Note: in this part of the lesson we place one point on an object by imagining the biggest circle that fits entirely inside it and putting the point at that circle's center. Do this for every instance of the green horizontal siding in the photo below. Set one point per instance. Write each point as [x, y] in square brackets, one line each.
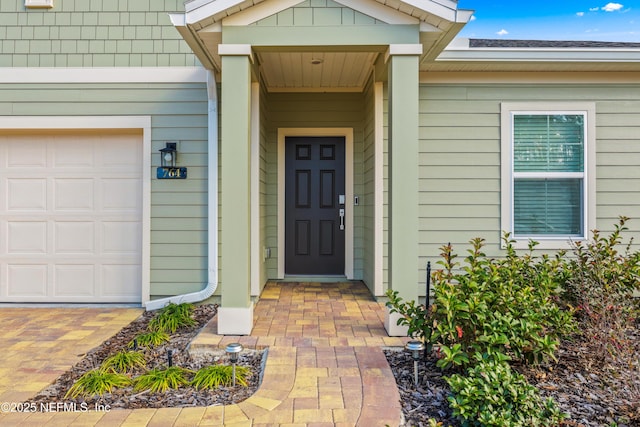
[161, 252]
[178, 207]
[176, 282]
[460, 158]
[90, 33]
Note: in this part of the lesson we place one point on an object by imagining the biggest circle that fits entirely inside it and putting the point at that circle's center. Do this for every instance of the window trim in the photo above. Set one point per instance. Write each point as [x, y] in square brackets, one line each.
[507, 111]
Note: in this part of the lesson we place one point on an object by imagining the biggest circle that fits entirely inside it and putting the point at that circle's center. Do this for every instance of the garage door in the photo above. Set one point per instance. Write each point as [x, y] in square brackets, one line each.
[70, 217]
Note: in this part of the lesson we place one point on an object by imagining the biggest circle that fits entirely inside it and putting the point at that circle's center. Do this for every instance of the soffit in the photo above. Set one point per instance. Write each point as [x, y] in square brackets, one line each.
[316, 71]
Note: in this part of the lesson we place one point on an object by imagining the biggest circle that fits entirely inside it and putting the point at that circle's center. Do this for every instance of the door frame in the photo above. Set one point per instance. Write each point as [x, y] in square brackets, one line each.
[347, 134]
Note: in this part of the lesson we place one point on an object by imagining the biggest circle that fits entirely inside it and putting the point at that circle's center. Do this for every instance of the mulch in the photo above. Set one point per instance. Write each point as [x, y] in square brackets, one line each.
[158, 357]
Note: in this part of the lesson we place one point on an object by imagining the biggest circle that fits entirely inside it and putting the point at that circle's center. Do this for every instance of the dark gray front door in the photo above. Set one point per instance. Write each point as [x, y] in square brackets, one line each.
[314, 205]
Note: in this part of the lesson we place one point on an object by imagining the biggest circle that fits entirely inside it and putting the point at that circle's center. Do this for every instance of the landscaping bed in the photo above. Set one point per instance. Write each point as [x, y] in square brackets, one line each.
[527, 339]
[590, 393]
[157, 357]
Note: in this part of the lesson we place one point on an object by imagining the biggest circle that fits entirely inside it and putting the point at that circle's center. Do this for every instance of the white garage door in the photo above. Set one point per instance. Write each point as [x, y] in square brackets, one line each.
[70, 217]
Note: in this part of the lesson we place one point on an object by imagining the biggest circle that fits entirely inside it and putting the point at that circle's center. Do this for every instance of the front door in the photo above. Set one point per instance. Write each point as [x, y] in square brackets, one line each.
[314, 205]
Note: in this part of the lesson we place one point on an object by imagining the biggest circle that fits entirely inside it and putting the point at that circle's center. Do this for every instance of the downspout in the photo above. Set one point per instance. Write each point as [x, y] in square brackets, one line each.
[212, 177]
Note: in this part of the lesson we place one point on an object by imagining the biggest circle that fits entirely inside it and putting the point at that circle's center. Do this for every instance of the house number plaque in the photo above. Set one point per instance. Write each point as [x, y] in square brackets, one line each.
[172, 173]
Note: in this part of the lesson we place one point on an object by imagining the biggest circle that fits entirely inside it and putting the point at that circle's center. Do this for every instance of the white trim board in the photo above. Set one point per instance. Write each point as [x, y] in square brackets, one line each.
[106, 122]
[526, 77]
[347, 133]
[378, 195]
[256, 258]
[103, 75]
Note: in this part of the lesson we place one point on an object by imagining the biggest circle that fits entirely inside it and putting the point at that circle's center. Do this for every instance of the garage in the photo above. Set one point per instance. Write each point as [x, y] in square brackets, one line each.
[71, 216]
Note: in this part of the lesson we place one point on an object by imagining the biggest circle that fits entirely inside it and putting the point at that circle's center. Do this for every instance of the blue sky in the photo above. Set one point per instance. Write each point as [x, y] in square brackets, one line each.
[596, 20]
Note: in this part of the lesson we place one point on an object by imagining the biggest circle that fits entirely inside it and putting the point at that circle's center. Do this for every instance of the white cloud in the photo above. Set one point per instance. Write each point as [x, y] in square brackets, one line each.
[502, 32]
[612, 7]
[580, 13]
[473, 18]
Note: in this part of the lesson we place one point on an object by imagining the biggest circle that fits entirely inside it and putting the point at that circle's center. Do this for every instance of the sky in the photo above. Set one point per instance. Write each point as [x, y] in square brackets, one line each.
[594, 20]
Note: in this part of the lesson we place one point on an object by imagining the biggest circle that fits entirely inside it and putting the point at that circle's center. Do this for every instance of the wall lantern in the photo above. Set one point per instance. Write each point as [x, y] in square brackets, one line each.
[168, 158]
[168, 155]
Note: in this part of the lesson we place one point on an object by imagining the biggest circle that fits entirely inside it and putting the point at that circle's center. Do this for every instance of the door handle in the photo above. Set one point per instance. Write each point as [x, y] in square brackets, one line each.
[341, 219]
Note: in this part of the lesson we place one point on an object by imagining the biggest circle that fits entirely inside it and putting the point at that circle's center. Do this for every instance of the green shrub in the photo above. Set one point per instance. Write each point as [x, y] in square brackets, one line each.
[418, 318]
[149, 339]
[493, 395]
[485, 313]
[601, 284]
[171, 317]
[215, 376]
[97, 382]
[124, 361]
[507, 306]
[160, 380]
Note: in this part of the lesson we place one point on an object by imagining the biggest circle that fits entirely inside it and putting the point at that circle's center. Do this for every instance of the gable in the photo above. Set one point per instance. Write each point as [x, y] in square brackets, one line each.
[330, 23]
[204, 13]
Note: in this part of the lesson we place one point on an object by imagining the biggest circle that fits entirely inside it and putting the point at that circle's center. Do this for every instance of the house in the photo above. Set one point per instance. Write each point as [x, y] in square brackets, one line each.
[312, 139]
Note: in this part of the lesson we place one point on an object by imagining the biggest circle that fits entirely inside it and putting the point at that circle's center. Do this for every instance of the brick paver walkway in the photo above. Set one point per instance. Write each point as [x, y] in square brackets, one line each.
[325, 367]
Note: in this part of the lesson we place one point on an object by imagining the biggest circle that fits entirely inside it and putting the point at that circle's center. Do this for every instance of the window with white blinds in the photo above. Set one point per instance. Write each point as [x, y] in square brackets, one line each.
[548, 171]
[545, 160]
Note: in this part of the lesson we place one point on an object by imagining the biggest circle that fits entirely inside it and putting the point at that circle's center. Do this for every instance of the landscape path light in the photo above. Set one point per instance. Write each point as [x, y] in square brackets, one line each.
[233, 350]
[415, 347]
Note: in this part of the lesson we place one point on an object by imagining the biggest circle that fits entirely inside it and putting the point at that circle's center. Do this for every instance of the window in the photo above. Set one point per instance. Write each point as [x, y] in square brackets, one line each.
[548, 175]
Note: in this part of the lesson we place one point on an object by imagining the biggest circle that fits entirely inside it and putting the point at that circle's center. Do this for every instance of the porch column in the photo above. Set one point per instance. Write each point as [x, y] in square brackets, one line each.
[403, 63]
[235, 315]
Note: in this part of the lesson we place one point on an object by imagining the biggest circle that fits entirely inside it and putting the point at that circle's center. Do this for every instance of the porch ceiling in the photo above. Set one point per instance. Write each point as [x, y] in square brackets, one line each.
[316, 71]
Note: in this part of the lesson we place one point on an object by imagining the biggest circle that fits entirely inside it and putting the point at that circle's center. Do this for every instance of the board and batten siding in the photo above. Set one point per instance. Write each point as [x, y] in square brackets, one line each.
[89, 33]
[178, 207]
[459, 188]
